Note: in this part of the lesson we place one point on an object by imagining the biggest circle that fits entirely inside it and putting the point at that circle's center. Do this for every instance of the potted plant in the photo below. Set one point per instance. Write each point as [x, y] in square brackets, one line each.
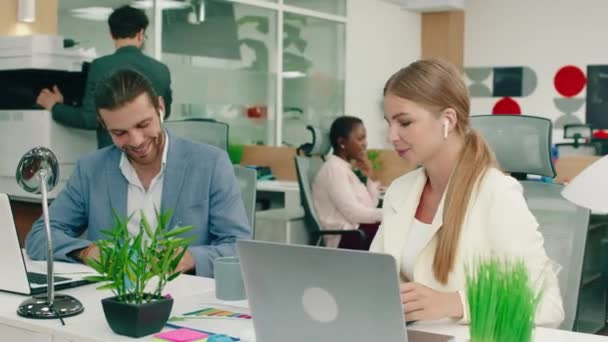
[502, 301]
[127, 264]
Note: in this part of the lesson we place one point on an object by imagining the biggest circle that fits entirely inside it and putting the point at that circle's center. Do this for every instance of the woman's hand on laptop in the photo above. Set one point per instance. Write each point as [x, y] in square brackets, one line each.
[422, 303]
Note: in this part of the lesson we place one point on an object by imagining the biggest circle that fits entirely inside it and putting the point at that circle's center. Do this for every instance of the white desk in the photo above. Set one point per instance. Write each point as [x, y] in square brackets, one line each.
[97, 330]
[276, 185]
[284, 222]
[290, 189]
[190, 293]
[461, 332]
[16, 328]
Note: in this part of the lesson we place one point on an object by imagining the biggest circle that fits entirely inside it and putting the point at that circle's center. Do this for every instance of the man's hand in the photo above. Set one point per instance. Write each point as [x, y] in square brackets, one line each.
[187, 263]
[49, 97]
[89, 252]
[423, 303]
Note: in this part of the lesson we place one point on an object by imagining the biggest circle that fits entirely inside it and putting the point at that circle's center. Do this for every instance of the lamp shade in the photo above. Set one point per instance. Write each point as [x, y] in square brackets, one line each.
[590, 188]
[26, 11]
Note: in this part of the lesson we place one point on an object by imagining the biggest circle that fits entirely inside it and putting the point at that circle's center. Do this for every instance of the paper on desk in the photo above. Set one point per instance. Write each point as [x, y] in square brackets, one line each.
[59, 267]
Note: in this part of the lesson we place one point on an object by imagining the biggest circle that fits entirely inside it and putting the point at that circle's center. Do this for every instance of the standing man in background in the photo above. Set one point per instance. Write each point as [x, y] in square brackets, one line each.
[128, 29]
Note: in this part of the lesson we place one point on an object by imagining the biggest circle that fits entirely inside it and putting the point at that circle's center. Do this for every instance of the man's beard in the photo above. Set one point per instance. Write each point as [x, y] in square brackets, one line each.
[157, 142]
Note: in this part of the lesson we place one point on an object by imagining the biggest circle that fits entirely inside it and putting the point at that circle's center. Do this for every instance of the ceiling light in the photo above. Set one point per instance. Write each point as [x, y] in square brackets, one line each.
[293, 74]
[92, 13]
[201, 12]
[26, 11]
[164, 4]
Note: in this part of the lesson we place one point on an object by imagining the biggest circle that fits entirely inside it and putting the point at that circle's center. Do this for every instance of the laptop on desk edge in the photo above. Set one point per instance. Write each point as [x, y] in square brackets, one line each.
[303, 293]
[13, 270]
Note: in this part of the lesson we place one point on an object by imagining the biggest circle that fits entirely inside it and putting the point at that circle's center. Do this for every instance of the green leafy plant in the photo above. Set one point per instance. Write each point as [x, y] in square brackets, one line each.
[235, 152]
[373, 157]
[502, 302]
[128, 263]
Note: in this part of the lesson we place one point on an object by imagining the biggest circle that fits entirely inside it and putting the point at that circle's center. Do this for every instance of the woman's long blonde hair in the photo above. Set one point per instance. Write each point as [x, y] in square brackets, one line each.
[437, 85]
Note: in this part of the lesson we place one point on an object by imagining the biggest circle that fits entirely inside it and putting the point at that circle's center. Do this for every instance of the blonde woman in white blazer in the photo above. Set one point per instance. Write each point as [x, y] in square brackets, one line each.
[458, 206]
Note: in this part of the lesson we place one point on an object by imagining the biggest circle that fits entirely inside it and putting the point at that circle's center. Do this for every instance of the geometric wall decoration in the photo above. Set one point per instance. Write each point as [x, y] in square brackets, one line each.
[568, 81]
[529, 81]
[568, 106]
[477, 76]
[596, 113]
[506, 105]
[516, 81]
[507, 82]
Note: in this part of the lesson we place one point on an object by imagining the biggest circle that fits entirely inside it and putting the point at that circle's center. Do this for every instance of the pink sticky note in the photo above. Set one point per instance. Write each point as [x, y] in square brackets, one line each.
[181, 335]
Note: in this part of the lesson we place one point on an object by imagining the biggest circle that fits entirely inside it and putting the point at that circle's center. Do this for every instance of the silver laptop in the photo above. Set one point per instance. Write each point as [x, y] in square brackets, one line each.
[302, 294]
[14, 276]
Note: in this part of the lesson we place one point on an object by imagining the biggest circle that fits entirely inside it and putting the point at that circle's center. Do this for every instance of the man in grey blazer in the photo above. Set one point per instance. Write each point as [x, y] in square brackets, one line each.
[145, 168]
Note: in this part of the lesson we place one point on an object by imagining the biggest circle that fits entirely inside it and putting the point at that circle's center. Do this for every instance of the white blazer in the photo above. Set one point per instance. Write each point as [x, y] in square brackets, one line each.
[498, 223]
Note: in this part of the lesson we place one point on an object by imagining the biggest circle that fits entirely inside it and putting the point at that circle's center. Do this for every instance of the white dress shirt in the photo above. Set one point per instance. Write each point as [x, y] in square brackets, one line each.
[341, 200]
[138, 199]
[418, 237]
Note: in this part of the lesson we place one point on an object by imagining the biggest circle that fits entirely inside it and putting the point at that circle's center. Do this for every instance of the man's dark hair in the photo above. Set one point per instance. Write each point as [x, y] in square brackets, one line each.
[341, 128]
[126, 21]
[122, 87]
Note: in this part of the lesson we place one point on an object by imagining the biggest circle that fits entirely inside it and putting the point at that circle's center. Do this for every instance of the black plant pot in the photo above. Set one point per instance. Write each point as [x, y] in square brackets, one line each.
[137, 320]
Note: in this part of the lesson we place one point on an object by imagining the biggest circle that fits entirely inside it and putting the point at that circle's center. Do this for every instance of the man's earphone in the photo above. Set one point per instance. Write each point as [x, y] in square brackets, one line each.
[445, 128]
[161, 113]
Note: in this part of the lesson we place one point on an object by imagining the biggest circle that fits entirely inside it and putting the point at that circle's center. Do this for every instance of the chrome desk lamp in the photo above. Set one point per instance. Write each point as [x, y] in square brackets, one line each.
[38, 173]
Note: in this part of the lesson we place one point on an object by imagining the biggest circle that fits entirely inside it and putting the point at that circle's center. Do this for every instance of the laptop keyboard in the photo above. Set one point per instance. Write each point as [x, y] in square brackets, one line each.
[40, 278]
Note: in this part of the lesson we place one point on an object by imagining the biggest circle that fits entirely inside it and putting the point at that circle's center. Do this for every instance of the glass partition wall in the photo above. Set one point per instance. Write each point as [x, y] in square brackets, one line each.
[313, 75]
[268, 68]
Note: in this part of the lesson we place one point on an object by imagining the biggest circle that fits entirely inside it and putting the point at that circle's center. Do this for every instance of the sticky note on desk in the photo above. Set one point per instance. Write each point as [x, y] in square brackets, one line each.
[182, 335]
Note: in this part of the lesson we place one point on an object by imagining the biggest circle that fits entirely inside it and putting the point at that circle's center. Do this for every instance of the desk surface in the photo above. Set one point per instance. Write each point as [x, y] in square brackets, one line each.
[190, 293]
[182, 287]
[277, 186]
[461, 332]
[97, 330]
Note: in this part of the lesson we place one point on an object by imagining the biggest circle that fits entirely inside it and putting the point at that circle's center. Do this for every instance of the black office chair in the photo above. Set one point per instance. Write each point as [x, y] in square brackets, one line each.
[320, 144]
[307, 169]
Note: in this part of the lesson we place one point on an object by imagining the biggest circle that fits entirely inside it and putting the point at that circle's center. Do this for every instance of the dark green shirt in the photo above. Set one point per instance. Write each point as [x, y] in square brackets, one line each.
[126, 57]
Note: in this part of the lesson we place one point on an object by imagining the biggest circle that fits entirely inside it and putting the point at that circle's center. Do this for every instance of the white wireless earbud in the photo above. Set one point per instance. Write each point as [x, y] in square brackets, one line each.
[161, 113]
[445, 129]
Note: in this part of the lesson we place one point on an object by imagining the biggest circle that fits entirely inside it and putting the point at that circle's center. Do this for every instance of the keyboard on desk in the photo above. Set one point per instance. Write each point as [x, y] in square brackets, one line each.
[40, 278]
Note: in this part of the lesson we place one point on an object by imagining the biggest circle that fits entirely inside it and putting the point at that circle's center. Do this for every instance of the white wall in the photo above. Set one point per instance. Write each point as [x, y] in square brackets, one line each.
[380, 39]
[541, 34]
